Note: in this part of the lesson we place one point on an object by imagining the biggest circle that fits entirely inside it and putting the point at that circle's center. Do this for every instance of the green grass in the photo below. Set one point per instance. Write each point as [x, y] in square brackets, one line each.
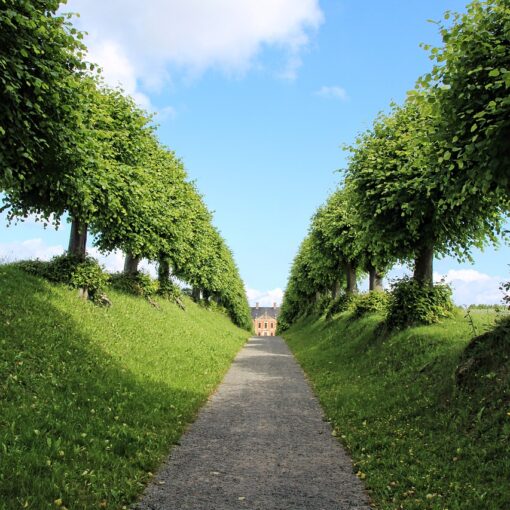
[91, 399]
[420, 436]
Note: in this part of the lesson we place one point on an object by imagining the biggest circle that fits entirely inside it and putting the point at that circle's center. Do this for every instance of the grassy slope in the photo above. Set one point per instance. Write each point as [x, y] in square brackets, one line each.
[416, 437]
[91, 399]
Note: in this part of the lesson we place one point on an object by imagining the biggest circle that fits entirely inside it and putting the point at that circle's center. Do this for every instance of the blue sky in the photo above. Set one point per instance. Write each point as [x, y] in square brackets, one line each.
[257, 98]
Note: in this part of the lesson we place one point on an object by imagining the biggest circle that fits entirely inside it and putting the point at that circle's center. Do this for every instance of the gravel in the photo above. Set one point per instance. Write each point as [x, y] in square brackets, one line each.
[261, 442]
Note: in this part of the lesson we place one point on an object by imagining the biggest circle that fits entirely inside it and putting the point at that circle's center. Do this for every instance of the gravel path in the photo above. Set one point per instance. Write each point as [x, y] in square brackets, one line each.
[259, 443]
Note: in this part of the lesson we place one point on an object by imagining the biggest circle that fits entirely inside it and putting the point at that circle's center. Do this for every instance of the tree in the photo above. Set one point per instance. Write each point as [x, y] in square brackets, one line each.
[397, 180]
[146, 220]
[470, 83]
[41, 57]
[336, 223]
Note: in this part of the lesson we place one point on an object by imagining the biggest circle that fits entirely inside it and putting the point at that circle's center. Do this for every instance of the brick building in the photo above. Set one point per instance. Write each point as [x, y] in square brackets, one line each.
[265, 319]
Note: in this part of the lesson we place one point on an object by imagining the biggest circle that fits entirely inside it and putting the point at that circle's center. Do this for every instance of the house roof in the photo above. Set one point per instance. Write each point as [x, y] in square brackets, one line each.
[262, 311]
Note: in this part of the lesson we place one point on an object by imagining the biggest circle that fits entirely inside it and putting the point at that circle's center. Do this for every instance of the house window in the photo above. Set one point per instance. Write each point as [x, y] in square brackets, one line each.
[265, 325]
[272, 325]
[260, 325]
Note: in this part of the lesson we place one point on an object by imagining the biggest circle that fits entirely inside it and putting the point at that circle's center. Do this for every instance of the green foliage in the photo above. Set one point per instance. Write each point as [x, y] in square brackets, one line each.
[89, 275]
[170, 291]
[417, 438]
[91, 399]
[505, 287]
[70, 270]
[322, 305]
[471, 82]
[482, 306]
[411, 303]
[138, 284]
[368, 303]
[339, 304]
[402, 192]
[40, 58]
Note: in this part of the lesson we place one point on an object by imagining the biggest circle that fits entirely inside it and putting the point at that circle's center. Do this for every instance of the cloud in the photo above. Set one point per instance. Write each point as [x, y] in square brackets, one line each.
[472, 287]
[113, 262]
[465, 275]
[117, 70]
[333, 92]
[141, 44]
[29, 249]
[36, 249]
[468, 285]
[264, 298]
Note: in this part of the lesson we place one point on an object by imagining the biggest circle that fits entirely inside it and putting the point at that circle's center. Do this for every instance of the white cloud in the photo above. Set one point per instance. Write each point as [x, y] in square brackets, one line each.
[113, 262]
[264, 298]
[117, 70]
[464, 275]
[139, 43]
[37, 249]
[29, 249]
[472, 287]
[334, 92]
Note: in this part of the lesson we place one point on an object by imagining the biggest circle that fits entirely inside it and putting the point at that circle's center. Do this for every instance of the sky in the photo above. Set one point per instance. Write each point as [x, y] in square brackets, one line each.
[257, 97]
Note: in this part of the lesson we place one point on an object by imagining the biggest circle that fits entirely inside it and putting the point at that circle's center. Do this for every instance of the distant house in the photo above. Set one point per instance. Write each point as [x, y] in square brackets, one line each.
[265, 319]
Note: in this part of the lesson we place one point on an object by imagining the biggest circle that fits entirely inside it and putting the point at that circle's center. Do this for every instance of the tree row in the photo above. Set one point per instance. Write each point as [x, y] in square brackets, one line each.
[71, 145]
[430, 177]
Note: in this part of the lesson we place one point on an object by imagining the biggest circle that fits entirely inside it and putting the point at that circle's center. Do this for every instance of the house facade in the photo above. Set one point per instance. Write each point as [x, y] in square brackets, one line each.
[265, 319]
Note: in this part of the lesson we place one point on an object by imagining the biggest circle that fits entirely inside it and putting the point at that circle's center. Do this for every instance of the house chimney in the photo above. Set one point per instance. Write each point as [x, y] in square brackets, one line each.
[257, 306]
[274, 306]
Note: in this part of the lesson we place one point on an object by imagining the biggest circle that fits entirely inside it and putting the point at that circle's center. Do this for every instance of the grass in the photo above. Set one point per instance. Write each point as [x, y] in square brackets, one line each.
[91, 399]
[425, 418]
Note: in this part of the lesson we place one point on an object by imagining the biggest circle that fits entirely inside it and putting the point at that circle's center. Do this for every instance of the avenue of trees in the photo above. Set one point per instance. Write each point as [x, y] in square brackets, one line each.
[71, 145]
[431, 177]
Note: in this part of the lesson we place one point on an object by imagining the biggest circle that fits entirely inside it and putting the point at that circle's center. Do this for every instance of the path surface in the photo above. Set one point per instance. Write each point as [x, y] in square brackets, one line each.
[259, 443]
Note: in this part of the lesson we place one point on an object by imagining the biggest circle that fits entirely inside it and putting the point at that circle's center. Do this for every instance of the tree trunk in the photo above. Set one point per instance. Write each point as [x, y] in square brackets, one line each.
[163, 272]
[78, 239]
[350, 273]
[375, 279]
[423, 265]
[83, 293]
[335, 289]
[207, 295]
[131, 264]
[195, 294]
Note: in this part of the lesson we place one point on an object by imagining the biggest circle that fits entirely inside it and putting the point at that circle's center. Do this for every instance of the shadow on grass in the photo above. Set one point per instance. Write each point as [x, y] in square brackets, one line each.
[75, 424]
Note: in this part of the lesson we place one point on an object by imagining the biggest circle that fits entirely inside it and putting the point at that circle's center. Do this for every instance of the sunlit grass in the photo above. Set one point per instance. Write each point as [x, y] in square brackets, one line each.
[91, 399]
[418, 439]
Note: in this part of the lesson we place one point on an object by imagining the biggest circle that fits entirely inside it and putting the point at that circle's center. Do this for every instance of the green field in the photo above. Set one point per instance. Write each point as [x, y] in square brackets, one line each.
[91, 399]
[420, 436]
